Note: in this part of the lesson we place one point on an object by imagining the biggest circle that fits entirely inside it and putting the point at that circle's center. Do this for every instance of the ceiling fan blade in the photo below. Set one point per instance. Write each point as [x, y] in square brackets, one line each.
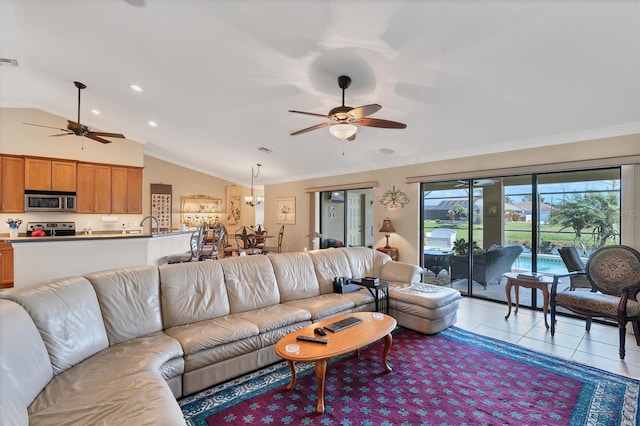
[310, 113]
[308, 129]
[376, 122]
[352, 138]
[364, 110]
[48, 127]
[74, 126]
[97, 138]
[108, 135]
[61, 134]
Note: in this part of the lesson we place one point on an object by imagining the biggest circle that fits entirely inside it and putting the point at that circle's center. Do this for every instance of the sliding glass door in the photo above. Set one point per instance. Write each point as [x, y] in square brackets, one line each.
[537, 214]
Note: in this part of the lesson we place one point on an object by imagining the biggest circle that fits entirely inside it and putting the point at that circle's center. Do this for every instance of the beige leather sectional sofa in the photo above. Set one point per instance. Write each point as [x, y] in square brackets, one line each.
[118, 347]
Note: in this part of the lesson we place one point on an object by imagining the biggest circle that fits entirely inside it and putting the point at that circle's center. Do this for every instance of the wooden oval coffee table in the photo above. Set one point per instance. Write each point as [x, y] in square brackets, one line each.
[348, 340]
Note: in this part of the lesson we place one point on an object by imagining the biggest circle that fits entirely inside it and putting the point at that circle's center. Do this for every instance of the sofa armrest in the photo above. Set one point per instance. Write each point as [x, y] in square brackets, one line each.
[401, 272]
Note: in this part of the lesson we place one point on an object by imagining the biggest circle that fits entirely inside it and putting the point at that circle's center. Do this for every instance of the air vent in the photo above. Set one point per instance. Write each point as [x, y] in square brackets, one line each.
[8, 62]
[263, 149]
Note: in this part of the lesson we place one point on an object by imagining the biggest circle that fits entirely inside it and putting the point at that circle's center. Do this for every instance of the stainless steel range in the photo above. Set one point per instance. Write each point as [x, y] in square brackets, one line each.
[52, 229]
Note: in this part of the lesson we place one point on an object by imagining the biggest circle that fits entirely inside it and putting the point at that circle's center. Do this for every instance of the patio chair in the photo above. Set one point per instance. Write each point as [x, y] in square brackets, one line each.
[487, 267]
[614, 272]
[573, 263]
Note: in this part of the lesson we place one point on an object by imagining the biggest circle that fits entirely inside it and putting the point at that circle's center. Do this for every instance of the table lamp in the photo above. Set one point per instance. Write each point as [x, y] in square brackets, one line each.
[388, 228]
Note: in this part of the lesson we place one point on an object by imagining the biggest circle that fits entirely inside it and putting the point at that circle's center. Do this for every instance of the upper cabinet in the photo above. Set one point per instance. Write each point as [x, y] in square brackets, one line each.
[126, 190]
[93, 188]
[49, 175]
[11, 184]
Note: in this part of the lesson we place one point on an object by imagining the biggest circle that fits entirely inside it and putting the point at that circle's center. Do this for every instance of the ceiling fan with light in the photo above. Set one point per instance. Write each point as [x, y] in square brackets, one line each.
[345, 118]
[75, 128]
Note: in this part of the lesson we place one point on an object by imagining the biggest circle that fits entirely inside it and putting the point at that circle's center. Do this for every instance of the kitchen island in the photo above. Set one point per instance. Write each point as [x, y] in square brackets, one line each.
[38, 259]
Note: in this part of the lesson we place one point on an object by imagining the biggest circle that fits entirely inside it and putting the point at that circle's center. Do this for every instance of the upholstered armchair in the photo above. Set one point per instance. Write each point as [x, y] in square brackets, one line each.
[614, 274]
[487, 267]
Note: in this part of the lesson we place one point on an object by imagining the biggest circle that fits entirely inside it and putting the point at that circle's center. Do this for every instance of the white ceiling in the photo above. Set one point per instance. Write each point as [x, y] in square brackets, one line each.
[219, 76]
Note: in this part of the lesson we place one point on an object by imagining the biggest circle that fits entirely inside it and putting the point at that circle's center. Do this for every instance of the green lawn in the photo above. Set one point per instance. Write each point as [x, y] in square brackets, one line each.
[515, 233]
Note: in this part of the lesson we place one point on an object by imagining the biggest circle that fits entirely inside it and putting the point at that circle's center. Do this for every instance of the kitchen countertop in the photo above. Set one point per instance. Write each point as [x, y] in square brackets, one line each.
[22, 238]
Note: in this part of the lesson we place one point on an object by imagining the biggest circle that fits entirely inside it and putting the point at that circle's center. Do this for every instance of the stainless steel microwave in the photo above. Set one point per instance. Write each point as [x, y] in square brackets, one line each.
[50, 201]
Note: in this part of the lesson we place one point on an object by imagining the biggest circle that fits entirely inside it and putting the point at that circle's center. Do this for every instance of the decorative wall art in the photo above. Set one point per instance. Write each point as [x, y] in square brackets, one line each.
[234, 202]
[286, 210]
[161, 204]
[198, 209]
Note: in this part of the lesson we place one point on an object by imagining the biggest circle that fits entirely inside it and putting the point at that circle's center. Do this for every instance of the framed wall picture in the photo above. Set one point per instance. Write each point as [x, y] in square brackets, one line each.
[161, 204]
[286, 210]
[199, 209]
[492, 209]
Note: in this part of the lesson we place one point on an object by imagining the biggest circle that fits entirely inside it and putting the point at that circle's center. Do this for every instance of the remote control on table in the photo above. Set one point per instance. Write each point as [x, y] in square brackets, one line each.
[312, 339]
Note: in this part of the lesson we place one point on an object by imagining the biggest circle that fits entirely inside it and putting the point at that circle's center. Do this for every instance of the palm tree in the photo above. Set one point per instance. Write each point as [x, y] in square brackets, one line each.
[589, 210]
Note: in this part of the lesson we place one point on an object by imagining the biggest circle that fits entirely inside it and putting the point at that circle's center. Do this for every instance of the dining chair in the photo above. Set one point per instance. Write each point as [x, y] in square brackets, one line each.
[614, 274]
[196, 245]
[214, 249]
[245, 241]
[277, 248]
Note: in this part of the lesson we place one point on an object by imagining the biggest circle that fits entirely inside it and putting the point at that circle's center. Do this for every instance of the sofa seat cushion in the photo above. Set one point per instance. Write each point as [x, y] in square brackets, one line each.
[427, 295]
[138, 399]
[276, 316]
[148, 353]
[208, 334]
[325, 305]
[360, 298]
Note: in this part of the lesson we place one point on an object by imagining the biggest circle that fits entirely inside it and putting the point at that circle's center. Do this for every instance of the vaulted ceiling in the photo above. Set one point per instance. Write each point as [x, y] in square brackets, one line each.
[219, 77]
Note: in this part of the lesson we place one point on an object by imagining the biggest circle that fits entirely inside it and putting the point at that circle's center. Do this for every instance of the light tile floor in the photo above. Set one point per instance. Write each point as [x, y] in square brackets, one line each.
[597, 348]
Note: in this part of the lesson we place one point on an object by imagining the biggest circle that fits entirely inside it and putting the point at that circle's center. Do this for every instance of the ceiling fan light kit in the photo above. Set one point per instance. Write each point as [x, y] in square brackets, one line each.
[343, 131]
[344, 119]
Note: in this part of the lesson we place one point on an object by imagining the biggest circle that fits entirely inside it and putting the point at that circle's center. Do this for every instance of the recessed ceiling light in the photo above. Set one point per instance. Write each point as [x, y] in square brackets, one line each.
[386, 151]
[152, 123]
[135, 88]
[96, 112]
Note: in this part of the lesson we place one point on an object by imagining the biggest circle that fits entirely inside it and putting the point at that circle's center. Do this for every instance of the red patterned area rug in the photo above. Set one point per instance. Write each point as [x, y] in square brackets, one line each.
[452, 378]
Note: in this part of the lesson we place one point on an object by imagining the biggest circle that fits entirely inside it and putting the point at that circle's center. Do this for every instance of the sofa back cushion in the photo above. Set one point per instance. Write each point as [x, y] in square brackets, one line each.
[192, 292]
[67, 314]
[329, 264]
[251, 283]
[295, 276]
[365, 262]
[25, 368]
[129, 300]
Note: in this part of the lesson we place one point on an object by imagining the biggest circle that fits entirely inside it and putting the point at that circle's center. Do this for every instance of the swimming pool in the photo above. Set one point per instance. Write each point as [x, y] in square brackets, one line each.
[548, 263]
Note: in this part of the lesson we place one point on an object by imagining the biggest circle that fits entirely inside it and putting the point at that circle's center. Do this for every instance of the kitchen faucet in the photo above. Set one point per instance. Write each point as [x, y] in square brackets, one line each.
[157, 223]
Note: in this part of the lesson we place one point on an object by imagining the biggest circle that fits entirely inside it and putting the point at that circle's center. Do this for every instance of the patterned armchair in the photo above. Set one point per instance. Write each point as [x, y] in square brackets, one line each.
[614, 274]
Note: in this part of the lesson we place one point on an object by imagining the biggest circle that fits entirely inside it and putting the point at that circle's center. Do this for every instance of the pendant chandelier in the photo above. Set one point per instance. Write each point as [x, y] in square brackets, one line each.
[253, 200]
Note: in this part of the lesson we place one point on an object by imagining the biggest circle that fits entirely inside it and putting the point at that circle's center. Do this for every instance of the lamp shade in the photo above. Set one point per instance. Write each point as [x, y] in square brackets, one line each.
[314, 234]
[343, 131]
[387, 226]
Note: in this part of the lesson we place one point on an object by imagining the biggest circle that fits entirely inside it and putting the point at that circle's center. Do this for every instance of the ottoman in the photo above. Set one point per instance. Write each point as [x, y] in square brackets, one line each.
[426, 308]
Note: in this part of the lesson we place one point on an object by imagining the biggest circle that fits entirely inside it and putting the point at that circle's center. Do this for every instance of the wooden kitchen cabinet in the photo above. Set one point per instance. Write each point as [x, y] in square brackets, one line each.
[126, 190]
[43, 174]
[12, 184]
[6, 265]
[93, 188]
